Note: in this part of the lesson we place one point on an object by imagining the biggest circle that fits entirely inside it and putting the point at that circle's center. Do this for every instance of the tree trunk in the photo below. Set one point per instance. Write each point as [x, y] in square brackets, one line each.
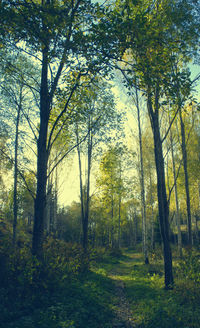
[15, 202]
[47, 208]
[42, 160]
[112, 223]
[178, 221]
[161, 189]
[81, 182]
[85, 195]
[143, 202]
[119, 223]
[184, 154]
[54, 202]
[135, 222]
[152, 211]
[87, 201]
[196, 229]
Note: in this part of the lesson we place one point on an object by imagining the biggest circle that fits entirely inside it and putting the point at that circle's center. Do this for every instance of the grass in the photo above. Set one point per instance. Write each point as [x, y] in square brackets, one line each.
[88, 300]
[79, 303]
[152, 306]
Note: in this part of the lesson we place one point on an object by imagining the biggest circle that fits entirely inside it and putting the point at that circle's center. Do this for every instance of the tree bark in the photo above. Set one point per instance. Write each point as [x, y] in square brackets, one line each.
[161, 188]
[15, 201]
[112, 223]
[42, 160]
[119, 222]
[55, 202]
[143, 202]
[184, 154]
[135, 222]
[87, 201]
[80, 180]
[85, 194]
[152, 211]
[176, 199]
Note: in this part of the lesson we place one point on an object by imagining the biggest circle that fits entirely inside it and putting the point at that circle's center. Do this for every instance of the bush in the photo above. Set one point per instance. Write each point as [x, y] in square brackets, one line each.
[115, 252]
[62, 260]
[21, 272]
[189, 267]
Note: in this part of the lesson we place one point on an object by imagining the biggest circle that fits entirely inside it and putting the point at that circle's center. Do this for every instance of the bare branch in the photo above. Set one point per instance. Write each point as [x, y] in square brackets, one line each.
[170, 125]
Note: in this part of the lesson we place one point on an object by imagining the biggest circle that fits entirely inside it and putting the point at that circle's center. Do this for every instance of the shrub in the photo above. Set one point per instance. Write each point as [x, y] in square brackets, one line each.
[189, 267]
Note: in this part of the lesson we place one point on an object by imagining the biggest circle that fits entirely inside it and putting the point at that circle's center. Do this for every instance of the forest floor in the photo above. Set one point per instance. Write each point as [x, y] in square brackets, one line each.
[117, 292]
[141, 300]
[123, 314]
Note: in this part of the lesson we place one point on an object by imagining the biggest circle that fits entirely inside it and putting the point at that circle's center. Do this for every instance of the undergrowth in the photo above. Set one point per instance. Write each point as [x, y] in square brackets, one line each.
[153, 306]
[58, 293]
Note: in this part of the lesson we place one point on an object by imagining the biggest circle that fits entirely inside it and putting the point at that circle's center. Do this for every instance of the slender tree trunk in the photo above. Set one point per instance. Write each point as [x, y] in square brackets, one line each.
[119, 205]
[80, 180]
[85, 196]
[87, 201]
[119, 223]
[112, 223]
[161, 189]
[130, 233]
[42, 160]
[152, 211]
[55, 202]
[15, 201]
[198, 216]
[196, 229]
[47, 207]
[143, 202]
[178, 220]
[51, 216]
[135, 219]
[184, 154]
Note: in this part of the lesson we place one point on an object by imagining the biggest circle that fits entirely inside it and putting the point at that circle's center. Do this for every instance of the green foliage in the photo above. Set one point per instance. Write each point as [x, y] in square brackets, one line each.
[151, 305]
[189, 267]
[62, 259]
[53, 294]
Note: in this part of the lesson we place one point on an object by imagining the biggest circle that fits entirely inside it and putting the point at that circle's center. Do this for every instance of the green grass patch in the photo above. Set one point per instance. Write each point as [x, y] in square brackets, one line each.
[53, 294]
[84, 302]
[62, 296]
[154, 307]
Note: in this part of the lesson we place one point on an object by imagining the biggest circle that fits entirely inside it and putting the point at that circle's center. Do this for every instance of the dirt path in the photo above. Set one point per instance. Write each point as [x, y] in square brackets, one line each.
[123, 314]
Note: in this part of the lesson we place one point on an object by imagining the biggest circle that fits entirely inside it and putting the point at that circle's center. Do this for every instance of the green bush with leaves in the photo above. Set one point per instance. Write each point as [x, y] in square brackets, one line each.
[189, 267]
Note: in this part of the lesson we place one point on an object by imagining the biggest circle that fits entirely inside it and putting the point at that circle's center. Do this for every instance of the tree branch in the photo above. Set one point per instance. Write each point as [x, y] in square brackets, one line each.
[20, 173]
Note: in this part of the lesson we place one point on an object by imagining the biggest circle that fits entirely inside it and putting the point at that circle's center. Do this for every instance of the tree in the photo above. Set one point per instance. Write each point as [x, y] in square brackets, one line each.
[150, 180]
[96, 121]
[141, 172]
[184, 154]
[17, 73]
[57, 34]
[112, 183]
[4, 168]
[176, 196]
[153, 43]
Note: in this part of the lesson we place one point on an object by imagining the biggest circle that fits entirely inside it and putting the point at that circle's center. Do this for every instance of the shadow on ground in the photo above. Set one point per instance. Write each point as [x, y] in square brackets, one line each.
[84, 303]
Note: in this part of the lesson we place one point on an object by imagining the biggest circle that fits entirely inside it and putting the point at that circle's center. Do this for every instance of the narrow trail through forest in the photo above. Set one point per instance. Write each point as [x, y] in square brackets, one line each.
[119, 291]
[123, 314]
